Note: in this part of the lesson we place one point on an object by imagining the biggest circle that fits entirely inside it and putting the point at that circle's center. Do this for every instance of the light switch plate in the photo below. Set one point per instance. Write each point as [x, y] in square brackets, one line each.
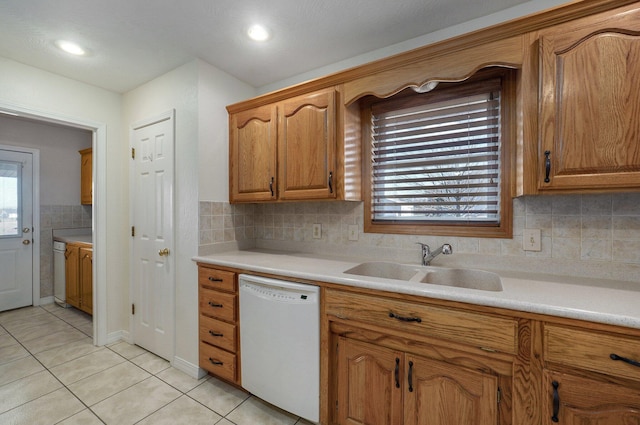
[531, 240]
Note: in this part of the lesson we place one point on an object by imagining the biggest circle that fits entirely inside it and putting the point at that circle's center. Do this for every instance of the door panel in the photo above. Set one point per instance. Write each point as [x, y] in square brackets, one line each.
[16, 229]
[153, 275]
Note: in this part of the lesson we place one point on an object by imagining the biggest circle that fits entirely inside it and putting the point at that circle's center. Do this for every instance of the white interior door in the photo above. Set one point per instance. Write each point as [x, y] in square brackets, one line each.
[153, 262]
[16, 229]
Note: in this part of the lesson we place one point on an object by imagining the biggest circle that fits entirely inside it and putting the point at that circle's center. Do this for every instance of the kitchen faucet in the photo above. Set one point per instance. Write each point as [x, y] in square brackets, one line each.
[428, 255]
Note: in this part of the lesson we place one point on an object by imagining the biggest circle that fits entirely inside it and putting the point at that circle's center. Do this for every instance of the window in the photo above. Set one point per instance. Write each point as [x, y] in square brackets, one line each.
[438, 162]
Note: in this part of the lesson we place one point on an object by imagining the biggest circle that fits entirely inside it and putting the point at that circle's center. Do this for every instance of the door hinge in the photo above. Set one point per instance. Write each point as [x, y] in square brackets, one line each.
[133, 231]
[133, 309]
[499, 394]
[133, 153]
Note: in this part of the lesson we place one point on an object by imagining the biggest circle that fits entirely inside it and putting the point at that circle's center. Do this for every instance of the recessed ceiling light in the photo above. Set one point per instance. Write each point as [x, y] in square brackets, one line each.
[71, 47]
[258, 33]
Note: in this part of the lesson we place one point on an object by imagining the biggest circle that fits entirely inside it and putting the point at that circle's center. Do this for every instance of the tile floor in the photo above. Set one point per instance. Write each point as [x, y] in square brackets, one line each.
[51, 373]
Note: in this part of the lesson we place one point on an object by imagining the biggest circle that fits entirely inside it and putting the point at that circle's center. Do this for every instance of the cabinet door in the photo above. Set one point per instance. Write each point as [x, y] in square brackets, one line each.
[71, 265]
[86, 280]
[252, 155]
[369, 380]
[86, 177]
[307, 147]
[438, 393]
[590, 105]
[571, 400]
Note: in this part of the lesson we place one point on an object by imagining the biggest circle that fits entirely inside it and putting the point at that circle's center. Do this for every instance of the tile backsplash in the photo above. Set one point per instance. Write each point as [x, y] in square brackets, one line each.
[583, 235]
[54, 217]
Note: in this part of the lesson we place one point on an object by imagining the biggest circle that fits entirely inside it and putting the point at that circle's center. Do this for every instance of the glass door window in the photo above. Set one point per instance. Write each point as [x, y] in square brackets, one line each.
[10, 202]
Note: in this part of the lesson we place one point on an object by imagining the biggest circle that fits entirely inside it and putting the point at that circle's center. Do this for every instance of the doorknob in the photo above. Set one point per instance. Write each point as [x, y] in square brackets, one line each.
[163, 252]
[26, 242]
[26, 230]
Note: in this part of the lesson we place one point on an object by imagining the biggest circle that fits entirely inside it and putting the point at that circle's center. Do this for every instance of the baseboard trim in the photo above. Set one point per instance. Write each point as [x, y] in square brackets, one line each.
[118, 336]
[187, 367]
[46, 300]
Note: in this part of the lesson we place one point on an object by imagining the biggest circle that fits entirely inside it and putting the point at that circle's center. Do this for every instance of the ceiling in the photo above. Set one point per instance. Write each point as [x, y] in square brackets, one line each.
[134, 41]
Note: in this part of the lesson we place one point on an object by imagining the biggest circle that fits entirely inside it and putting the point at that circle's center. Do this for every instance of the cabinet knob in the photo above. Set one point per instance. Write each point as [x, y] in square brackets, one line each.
[163, 252]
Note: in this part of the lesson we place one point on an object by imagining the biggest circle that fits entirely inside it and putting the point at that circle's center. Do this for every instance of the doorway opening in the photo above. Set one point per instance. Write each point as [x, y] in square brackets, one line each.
[91, 218]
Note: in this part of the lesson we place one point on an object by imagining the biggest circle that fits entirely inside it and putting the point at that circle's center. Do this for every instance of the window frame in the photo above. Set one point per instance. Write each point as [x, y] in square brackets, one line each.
[507, 146]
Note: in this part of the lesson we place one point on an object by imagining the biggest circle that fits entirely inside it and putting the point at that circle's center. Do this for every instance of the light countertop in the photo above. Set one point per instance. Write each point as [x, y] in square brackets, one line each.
[604, 301]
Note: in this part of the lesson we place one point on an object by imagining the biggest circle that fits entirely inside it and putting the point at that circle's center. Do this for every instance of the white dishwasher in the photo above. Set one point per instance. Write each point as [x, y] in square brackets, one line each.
[280, 343]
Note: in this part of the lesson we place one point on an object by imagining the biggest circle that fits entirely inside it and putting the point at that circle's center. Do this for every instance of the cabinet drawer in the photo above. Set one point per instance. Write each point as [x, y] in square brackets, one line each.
[476, 329]
[218, 333]
[591, 350]
[217, 279]
[217, 361]
[218, 304]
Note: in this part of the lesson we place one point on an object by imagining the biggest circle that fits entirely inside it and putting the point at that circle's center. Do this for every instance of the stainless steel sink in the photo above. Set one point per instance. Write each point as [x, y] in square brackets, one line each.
[456, 277]
[464, 278]
[385, 270]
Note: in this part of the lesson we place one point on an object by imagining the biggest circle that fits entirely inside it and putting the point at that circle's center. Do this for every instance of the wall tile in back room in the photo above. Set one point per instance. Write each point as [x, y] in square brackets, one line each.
[582, 235]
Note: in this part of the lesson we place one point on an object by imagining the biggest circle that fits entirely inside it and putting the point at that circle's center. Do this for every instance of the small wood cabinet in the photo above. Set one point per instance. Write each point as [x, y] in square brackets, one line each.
[86, 176]
[294, 149]
[589, 113]
[590, 378]
[79, 276]
[218, 323]
[397, 362]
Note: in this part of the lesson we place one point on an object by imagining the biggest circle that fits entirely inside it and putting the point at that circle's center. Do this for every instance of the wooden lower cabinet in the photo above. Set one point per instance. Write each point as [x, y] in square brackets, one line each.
[79, 276]
[381, 386]
[437, 393]
[368, 382]
[218, 322]
[575, 400]
[403, 363]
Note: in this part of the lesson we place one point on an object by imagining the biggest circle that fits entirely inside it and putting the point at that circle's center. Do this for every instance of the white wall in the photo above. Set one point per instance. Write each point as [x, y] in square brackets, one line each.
[520, 10]
[198, 92]
[40, 92]
[217, 90]
[59, 157]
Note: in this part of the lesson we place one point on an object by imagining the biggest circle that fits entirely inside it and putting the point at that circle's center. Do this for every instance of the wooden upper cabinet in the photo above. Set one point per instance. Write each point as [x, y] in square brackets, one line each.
[590, 104]
[307, 147]
[303, 148]
[86, 176]
[252, 155]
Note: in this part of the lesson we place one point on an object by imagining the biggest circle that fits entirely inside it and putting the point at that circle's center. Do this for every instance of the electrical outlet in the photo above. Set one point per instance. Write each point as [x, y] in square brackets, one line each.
[353, 232]
[531, 240]
[317, 231]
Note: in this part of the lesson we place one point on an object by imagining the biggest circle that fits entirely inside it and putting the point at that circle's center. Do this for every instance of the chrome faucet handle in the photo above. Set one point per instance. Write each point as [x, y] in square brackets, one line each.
[447, 249]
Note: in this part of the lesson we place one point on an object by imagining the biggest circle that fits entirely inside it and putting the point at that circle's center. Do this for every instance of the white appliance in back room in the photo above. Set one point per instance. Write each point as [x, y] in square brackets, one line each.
[60, 239]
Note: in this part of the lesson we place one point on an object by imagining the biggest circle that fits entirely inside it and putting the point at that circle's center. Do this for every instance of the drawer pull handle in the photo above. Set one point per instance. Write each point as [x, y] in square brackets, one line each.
[410, 377]
[547, 166]
[213, 333]
[624, 359]
[212, 304]
[214, 279]
[397, 373]
[556, 402]
[215, 362]
[405, 319]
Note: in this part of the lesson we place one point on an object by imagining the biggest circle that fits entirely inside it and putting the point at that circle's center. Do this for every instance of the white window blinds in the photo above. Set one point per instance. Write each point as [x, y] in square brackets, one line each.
[438, 161]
